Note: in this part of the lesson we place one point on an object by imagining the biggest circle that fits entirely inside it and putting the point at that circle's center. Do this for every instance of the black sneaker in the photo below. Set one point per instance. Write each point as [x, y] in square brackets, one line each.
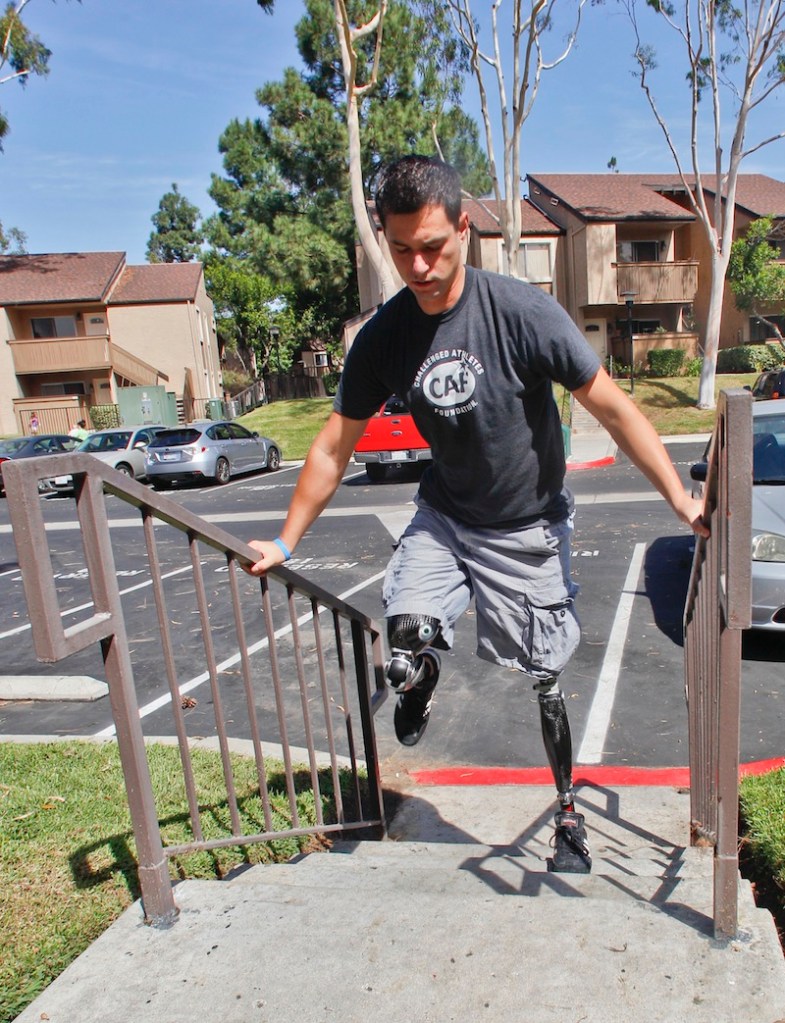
[414, 705]
[570, 847]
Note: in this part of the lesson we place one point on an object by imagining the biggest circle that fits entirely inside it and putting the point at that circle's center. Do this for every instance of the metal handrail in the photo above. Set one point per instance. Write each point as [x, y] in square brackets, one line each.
[353, 644]
[718, 608]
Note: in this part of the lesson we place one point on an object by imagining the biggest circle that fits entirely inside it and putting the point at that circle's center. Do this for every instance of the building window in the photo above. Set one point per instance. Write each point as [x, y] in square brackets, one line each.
[320, 358]
[69, 387]
[760, 331]
[534, 262]
[638, 252]
[638, 326]
[53, 326]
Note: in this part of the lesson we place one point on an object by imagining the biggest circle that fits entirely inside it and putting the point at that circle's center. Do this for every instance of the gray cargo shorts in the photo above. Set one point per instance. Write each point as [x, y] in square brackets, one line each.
[519, 578]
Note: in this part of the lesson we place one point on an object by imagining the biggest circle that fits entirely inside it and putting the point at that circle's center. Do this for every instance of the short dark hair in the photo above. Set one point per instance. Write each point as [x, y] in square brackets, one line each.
[412, 182]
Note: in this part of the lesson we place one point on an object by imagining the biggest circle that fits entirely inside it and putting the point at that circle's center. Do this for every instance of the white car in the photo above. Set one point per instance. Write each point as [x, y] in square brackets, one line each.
[122, 447]
[768, 513]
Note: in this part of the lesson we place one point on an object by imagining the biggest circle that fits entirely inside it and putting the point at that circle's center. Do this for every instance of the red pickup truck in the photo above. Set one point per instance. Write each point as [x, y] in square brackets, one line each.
[391, 438]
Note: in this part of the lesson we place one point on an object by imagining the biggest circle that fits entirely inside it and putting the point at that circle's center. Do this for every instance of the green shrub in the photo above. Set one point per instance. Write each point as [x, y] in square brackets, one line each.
[104, 417]
[748, 359]
[692, 367]
[331, 381]
[666, 362]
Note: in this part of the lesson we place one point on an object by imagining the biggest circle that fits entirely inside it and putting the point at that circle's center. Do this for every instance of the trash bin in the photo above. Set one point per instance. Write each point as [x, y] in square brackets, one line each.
[214, 408]
[567, 437]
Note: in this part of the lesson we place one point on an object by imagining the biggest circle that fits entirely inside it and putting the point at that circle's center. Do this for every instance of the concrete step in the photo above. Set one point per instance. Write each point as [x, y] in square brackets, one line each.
[397, 864]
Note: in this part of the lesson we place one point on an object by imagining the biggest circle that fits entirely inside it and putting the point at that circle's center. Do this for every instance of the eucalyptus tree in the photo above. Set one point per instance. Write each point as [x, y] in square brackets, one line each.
[21, 53]
[516, 76]
[733, 53]
[284, 200]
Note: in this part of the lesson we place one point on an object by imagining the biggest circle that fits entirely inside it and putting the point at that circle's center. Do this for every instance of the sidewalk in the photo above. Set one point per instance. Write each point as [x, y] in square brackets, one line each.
[453, 918]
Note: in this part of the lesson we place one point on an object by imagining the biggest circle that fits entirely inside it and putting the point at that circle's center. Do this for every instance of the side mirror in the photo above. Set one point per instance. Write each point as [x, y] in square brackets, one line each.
[748, 387]
[698, 472]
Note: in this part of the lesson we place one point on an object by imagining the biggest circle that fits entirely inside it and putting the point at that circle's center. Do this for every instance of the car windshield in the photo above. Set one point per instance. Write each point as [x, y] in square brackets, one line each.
[175, 438]
[768, 449]
[10, 447]
[106, 441]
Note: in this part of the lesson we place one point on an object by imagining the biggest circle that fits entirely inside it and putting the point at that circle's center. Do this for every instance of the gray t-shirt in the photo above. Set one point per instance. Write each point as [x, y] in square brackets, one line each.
[478, 382]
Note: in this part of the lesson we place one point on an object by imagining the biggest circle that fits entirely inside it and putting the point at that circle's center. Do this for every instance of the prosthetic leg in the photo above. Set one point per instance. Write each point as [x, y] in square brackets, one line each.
[412, 671]
[571, 850]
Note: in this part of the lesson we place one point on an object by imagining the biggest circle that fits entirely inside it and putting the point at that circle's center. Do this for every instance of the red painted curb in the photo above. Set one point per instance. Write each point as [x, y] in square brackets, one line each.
[678, 777]
[598, 463]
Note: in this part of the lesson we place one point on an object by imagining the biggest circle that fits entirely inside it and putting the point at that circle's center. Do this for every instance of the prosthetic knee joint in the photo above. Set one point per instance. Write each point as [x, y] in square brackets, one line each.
[408, 636]
[556, 737]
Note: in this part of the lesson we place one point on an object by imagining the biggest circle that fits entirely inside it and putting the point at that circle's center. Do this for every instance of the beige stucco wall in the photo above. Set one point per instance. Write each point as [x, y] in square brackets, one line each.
[9, 388]
[172, 338]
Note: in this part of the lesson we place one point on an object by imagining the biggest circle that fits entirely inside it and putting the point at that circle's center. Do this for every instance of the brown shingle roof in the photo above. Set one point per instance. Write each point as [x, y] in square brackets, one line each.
[157, 282]
[641, 196]
[483, 214]
[608, 196]
[58, 277]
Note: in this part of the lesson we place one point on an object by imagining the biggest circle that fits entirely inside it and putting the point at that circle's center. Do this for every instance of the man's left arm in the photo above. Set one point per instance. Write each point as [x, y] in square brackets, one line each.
[638, 439]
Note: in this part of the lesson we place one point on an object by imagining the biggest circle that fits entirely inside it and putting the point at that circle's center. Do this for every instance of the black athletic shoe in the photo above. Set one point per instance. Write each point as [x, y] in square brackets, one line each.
[414, 705]
[570, 848]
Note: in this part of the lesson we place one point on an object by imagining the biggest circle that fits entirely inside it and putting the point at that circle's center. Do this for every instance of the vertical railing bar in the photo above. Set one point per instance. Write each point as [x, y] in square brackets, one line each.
[326, 705]
[212, 671]
[366, 719]
[171, 674]
[347, 713]
[157, 896]
[261, 770]
[306, 712]
[267, 611]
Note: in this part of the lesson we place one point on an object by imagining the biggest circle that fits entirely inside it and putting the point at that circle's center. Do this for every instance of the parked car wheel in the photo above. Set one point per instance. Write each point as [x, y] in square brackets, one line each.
[376, 472]
[126, 470]
[222, 471]
[273, 459]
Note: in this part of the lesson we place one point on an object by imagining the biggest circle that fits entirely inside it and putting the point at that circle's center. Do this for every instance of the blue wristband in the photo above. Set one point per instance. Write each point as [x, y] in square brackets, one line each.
[284, 549]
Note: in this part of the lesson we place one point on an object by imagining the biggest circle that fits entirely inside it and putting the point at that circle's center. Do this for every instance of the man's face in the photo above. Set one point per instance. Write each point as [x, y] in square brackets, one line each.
[426, 248]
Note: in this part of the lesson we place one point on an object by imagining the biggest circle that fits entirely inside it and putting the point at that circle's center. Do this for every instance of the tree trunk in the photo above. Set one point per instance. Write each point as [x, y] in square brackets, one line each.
[706, 397]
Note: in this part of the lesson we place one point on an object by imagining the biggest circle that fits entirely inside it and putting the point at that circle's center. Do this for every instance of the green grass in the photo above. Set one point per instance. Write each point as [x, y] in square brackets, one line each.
[292, 424]
[68, 854]
[762, 805]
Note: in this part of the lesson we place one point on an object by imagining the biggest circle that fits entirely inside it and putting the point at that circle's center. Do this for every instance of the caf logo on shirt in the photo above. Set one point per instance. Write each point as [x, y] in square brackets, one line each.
[448, 381]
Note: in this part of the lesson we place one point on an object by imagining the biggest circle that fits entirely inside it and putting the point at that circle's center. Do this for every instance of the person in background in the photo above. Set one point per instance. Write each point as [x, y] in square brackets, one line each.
[79, 431]
[34, 423]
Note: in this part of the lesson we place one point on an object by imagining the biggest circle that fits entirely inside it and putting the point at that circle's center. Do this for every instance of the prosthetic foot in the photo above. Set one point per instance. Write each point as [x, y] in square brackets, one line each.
[570, 848]
[413, 708]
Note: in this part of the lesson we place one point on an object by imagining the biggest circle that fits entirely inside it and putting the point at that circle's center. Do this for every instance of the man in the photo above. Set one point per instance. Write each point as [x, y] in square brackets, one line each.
[474, 355]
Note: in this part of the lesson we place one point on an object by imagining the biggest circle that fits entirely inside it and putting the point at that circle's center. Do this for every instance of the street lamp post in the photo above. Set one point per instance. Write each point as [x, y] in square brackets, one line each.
[629, 297]
[275, 335]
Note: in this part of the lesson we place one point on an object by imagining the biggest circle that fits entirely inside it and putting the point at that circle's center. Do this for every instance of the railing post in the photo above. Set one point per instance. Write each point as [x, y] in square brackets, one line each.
[718, 608]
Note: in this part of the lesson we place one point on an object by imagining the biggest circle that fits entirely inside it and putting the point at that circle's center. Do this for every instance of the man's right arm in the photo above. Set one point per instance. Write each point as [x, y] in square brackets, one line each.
[321, 476]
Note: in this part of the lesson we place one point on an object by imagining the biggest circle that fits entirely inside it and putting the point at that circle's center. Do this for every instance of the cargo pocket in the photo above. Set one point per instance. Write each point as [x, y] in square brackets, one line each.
[551, 633]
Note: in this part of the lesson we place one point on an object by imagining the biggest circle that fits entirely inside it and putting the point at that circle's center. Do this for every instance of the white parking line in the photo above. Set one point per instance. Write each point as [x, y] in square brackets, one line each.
[83, 607]
[602, 705]
[186, 687]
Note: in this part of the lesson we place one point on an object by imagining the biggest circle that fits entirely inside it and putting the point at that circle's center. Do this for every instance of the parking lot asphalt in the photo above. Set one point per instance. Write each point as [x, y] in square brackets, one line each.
[630, 558]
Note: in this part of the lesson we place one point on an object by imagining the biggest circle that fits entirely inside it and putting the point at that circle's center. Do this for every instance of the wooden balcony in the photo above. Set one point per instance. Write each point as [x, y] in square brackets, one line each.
[658, 282]
[76, 354]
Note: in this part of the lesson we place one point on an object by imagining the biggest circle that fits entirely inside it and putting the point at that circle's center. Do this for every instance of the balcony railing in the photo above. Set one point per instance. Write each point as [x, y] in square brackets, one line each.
[65, 355]
[658, 282]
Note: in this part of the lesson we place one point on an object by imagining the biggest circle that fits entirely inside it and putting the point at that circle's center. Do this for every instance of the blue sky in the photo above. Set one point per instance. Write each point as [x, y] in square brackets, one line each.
[139, 93]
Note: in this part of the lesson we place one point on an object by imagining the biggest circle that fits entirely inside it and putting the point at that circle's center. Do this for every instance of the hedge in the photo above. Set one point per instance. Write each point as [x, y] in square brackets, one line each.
[749, 358]
[666, 362]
